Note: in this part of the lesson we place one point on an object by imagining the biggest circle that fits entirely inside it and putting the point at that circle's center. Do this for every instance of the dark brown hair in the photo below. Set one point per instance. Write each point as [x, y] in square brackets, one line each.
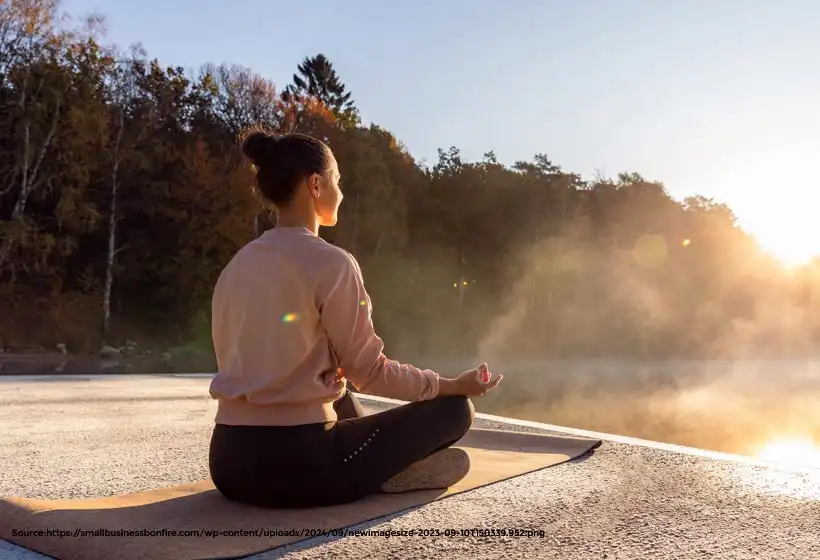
[283, 161]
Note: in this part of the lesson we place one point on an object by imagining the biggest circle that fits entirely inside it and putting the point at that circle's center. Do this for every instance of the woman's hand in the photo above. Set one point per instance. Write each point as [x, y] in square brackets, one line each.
[475, 382]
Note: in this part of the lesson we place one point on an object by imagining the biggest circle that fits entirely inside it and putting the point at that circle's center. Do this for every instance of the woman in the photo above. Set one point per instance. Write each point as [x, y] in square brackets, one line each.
[291, 327]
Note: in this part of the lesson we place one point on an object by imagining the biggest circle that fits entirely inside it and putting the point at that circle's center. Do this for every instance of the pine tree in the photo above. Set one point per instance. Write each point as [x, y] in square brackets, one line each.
[317, 78]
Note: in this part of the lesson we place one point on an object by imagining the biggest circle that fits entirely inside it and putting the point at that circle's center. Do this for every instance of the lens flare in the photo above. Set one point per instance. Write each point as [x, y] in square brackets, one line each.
[290, 317]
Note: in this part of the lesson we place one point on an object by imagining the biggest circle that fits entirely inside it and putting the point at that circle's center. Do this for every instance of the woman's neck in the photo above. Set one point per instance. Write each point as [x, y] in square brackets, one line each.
[293, 219]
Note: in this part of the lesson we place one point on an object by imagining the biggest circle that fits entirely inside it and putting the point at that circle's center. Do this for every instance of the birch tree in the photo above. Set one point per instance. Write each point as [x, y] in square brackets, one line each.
[127, 131]
[35, 86]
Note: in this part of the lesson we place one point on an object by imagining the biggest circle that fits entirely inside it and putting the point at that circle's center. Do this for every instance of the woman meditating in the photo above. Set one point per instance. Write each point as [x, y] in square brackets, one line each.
[291, 328]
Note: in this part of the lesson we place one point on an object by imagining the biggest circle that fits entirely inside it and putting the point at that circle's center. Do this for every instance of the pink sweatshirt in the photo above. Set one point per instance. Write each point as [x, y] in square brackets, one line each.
[289, 311]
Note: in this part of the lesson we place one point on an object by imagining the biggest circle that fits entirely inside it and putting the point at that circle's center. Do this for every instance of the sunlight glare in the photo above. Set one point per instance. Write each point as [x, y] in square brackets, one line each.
[800, 452]
[767, 192]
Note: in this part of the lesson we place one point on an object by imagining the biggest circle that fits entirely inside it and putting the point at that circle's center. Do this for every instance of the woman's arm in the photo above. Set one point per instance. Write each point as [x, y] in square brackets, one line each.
[346, 316]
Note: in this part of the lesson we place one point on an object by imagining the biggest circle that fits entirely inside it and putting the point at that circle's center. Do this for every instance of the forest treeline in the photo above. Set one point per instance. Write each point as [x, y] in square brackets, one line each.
[123, 194]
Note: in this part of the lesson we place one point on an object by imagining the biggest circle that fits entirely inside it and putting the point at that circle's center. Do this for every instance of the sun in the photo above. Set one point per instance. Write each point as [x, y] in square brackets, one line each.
[801, 452]
[769, 194]
[788, 233]
[791, 249]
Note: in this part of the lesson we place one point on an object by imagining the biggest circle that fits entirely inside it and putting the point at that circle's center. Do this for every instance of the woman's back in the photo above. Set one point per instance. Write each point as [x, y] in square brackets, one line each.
[271, 348]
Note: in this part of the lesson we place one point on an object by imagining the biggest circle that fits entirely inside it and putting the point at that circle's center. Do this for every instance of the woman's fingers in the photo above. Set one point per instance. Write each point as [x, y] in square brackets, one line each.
[489, 385]
[478, 381]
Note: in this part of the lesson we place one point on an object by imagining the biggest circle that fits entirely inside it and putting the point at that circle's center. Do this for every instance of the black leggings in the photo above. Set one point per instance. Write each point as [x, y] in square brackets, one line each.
[313, 465]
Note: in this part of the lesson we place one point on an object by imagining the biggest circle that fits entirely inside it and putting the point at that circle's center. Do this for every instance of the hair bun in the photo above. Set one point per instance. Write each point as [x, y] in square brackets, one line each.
[259, 147]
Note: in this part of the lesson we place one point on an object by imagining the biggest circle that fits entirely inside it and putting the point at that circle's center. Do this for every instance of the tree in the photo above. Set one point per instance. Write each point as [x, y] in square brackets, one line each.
[240, 99]
[316, 78]
[128, 126]
[123, 194]
[35, 85]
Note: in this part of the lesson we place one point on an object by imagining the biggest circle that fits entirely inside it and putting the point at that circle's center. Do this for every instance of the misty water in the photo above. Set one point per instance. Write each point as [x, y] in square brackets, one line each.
[729, 406]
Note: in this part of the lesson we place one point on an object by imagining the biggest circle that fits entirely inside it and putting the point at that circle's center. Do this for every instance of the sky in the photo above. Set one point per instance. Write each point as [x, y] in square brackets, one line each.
[718, 98]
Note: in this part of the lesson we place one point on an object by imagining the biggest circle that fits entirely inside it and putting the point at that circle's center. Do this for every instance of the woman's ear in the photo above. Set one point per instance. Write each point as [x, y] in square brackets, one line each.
[314, 184]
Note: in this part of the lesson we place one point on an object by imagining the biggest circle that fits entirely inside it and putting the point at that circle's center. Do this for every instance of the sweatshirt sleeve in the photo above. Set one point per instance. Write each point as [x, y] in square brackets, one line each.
[346, 315]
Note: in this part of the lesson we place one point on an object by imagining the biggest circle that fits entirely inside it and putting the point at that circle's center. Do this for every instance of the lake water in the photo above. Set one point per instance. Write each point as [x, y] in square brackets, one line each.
[730, 406]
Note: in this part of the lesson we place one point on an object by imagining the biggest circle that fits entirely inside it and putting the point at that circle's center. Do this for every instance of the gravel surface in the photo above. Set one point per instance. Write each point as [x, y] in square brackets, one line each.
[105, 436]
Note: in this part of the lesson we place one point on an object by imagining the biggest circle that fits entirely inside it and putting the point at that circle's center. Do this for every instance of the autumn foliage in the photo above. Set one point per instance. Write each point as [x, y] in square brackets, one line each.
[123, 194]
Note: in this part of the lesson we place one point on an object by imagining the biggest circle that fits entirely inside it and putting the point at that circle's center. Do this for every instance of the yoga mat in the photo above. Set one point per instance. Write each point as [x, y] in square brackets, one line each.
[494, 456]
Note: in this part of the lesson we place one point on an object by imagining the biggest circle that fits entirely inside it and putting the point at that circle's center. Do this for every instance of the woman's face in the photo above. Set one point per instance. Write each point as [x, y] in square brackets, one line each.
[330, 196]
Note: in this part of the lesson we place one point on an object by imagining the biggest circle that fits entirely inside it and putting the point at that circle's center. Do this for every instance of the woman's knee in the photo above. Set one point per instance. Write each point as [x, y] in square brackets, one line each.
[458, 412]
